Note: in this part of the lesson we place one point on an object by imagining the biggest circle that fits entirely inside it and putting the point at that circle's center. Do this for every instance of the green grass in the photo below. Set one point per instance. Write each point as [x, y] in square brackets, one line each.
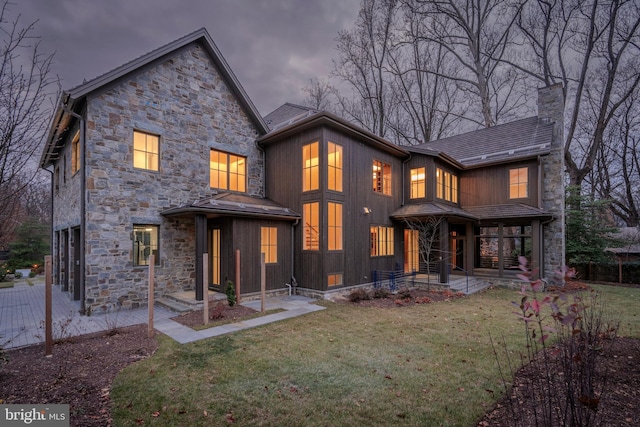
[214, 323]
[429, 364]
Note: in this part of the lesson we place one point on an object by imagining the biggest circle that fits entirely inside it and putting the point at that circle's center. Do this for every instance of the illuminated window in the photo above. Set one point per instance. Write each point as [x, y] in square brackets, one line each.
[145, 244]
[518, 183]
[310, 167]
[334, 226]
[269, 244]
[418, 181]
[411, 250]
[334, 279]
[334, 167]
[145, 151]
[381, 177]
[311, 226]
[446, 186]
[227, 171]
[381, 240]
[75, 153]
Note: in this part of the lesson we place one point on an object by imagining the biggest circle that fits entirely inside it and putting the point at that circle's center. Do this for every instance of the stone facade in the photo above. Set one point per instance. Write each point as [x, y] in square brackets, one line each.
[551, 110]
[185, 100]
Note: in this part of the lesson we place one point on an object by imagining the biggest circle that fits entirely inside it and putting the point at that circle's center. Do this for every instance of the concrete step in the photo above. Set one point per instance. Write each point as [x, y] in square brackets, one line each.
[174, 305]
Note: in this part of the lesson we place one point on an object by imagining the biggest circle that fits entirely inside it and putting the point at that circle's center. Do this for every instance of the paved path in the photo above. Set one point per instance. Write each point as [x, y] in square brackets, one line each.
[22, 317]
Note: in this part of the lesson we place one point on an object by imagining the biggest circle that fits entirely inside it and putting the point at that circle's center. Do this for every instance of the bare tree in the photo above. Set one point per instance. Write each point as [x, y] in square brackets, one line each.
[427, 232]
[319, 94]
[26, 85]
[593, 48]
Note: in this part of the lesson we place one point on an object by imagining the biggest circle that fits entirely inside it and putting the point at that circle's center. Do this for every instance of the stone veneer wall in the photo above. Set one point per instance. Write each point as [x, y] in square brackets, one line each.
[551, 110]
[185, 100]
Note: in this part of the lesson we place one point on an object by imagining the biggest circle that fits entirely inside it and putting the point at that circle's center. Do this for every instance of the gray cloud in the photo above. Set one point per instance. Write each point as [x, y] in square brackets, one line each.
[273, 46]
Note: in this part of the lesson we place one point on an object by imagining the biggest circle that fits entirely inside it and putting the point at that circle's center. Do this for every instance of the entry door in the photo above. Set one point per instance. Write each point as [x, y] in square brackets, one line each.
[76, 264]
[456, 246]
[411, 251]
[214, 257]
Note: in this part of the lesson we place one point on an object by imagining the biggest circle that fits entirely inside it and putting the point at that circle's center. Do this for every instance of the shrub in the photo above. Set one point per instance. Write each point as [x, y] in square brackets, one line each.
[231, 293]
[404, 294]
[217, 312]
[18, 275]
[32, 274]
[359, 295]
[381, 293]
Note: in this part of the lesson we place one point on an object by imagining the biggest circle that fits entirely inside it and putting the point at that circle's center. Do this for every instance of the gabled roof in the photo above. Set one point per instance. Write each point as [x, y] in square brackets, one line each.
[313, 119]
[233, 204]
[521, 139]
[506, 211]
[287, 114]
[73, 99]
[418, 210]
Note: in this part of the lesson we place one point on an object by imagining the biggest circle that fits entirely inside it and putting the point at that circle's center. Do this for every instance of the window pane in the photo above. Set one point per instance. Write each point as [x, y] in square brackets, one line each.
[269, 244]
[334, 280]
[311, 226]
[334, 226]
[439, 184]
[145, 243]
[310, 167]
[145, 151]
[418, 181]
[518, 183]
[334, 167]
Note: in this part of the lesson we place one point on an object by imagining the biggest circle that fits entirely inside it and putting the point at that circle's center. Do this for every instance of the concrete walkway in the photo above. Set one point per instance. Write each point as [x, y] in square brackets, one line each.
[22, 316]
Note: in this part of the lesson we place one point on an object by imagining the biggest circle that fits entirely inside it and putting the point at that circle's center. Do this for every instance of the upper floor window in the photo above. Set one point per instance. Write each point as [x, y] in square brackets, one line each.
[227, 171]
[269, 244]
[381, 177]
[310, 167]
[518, 183]
[75, 153]
[145, 244]
[334, 167]
[446, 185]
[334, 226]
[418, 183]
[146, 149]
[381, 240]
[311, 226]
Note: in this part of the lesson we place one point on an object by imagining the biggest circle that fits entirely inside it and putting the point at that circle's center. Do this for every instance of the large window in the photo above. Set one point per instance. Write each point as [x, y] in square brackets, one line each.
[334, 226]
[334, 167]
[503, 244]
[518, 183]
[310, 167]
[381, 240]
[227, 171]
[145, 243]
[411, 250]
[75, 153]
[418, 183]
[145, 150]
[311, 226]
[381, 177]
[269, 244]
[446, 185]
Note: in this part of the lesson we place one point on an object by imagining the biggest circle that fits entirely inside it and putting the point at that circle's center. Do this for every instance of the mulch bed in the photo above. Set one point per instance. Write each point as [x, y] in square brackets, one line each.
[82, 369]
[218, 313]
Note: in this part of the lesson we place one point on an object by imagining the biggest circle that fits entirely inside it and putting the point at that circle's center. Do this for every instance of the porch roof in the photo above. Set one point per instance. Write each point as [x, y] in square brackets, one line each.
[417, 210]
[508, 211]
[232, 204]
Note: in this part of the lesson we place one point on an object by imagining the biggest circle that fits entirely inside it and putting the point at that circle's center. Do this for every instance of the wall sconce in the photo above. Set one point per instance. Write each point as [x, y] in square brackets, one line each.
[366, 211]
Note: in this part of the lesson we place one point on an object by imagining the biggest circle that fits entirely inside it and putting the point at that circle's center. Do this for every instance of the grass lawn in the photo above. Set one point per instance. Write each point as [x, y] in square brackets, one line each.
[430, 365]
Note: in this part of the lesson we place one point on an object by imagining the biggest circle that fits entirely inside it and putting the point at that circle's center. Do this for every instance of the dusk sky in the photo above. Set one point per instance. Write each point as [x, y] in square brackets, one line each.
[273, 46]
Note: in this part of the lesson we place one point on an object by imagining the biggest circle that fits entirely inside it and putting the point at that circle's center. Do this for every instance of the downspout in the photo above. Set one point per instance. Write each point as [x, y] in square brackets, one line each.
[83, 308]
[293, 257]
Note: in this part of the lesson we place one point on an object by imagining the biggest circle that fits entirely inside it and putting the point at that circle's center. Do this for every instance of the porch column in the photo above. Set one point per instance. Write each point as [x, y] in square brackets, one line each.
[445, 255]
[201, 247]
[536, 247]
[469, 250]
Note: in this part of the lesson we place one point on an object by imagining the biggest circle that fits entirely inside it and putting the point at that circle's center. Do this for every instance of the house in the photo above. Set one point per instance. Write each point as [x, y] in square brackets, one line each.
[167, 156]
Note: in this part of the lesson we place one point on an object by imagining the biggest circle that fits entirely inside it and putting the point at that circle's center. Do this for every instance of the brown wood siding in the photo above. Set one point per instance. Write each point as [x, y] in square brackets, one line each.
[490, 185]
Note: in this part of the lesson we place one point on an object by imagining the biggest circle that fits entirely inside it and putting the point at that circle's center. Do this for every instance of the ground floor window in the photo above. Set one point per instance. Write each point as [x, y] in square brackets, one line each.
[334, 279]
[269, 244]
[381, 240]
[145, 243]
[411, 250]
[503, 245]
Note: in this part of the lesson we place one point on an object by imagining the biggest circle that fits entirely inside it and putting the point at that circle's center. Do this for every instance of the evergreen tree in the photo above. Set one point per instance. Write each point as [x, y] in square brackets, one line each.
[30, 246]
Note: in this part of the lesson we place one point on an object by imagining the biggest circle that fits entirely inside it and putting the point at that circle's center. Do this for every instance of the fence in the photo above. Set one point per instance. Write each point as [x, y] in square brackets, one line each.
[619, 272]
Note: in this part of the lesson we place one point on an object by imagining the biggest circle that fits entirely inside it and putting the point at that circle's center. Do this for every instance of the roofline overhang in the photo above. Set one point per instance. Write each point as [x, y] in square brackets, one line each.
[331, 120]
[188, 211]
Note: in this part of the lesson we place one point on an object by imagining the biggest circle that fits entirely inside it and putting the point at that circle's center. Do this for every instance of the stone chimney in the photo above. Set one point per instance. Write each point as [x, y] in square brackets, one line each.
[551, 111]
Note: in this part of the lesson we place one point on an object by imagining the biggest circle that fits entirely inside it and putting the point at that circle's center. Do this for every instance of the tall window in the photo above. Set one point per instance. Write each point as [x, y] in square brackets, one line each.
[145, 151]
[411, 250]
[381, 240]
[145, 243]
[334, 226]
[381, 177]
[334, 167]
[518, 183]
[227, 171]
[310, 167]
[269, 244]
[75, 153]
[311, 226]
[418, 183]
[446, 185]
